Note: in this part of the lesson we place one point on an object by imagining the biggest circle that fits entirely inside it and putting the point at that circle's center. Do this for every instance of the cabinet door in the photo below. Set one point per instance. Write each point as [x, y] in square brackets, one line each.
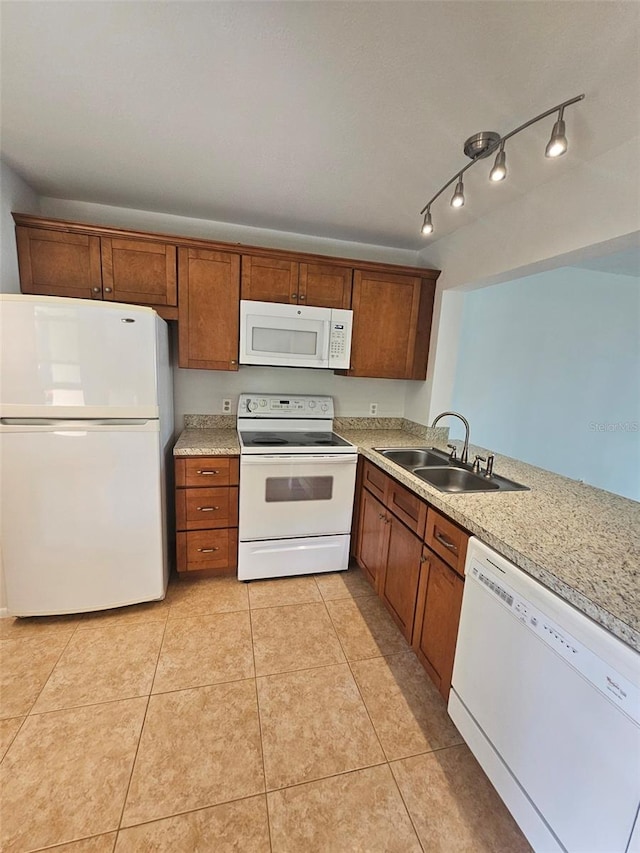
[399, 581]
[437, 620]
[372, 533]
[385, 325]
[269, 280]
[209, 325]
[140, 271]
[55, 263]
[325, 286]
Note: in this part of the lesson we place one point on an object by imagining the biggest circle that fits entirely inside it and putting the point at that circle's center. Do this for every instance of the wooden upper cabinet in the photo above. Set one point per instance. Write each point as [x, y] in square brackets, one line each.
[55, 263]
[269, 280]
[325, 286]
[139, 271]
[209, 309]
[391, 325]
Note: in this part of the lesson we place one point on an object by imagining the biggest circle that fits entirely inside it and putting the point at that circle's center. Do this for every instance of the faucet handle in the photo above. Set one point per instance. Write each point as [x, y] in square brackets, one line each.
[454, 451]
[488, 471]
[476, 464]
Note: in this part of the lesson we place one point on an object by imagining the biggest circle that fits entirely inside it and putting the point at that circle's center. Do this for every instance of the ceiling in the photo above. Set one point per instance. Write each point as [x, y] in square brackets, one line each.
[337, 119]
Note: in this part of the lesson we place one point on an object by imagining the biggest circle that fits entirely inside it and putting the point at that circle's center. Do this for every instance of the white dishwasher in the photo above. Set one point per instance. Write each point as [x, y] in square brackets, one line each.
[549, 703]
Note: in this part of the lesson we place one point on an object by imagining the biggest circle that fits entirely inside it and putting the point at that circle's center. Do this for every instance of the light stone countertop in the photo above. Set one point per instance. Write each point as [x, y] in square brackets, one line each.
[581, 542]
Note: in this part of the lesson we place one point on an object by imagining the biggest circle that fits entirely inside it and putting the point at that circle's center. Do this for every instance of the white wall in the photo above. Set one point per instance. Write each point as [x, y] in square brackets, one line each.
[15, 195]
[557, 385]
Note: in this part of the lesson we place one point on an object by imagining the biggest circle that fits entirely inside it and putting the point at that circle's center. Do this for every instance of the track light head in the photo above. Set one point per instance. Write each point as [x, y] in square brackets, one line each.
[557, 145]
[427, 225]
[499, 171]
[457, 200]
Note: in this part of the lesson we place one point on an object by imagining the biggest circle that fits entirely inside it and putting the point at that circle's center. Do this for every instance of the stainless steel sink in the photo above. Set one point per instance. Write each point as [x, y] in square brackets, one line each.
[433, 466]
[411, 457]
[452, 479]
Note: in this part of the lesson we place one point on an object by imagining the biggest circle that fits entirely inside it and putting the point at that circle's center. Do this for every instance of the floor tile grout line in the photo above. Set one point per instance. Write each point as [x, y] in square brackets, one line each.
[383, 763]
[255, 684]
[59, 844]
[404, 803]
[144, 720]
[62, 651]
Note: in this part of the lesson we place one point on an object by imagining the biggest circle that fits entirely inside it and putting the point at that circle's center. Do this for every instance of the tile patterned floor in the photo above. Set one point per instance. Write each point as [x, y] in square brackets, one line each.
[286, 716]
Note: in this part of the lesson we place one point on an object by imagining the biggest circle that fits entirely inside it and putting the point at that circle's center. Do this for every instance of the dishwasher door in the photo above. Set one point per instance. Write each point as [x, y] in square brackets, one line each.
[548, 702]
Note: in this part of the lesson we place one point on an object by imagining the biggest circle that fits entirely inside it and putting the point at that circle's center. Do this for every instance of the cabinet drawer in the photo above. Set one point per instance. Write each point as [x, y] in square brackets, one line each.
[200, 509]
[207, 471]
[374, 480]
[447, 539]
[407, 506]
[200, 550]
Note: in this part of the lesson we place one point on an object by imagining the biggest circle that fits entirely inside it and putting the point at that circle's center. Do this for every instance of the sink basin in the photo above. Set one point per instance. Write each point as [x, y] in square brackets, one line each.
[411, 457]
[452, 479]
[433, 466]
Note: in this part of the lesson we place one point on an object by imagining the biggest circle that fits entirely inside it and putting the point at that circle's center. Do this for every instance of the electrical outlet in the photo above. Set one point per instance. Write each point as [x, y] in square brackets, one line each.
[373, 408]
[226, 407]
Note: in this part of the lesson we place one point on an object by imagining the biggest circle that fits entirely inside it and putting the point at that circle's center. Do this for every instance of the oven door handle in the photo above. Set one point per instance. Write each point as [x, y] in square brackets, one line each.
[301, 459]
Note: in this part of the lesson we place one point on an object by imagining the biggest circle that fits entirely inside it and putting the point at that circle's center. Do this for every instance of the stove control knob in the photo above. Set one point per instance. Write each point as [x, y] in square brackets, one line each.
[312, 404]
[263, 403]
[248, 405]
[324, 407]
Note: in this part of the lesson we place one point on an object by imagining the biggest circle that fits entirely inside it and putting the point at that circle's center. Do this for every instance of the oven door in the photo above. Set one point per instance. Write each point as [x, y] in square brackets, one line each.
[287, 496]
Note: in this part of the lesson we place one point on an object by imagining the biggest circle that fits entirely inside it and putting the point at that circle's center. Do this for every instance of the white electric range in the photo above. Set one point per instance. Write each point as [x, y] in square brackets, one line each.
[297, 482]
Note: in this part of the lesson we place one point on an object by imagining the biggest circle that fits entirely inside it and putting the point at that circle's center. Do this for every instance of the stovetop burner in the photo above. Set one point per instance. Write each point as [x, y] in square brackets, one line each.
[292, 439]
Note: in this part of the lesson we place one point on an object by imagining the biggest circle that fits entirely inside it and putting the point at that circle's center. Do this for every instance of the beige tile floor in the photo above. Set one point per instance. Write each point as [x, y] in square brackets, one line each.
[286, 716]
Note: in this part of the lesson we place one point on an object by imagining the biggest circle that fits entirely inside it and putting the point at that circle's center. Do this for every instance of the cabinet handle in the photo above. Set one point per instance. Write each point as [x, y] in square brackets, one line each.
[301, 297]
[107, 290]
[444, 541]
[96, 289]
[207, 508]
[208, 550]
[294, 295]
[207, 472]
[423, 559]
[233, 361]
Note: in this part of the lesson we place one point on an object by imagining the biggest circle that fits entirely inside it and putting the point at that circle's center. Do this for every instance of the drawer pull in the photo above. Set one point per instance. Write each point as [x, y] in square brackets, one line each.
[203, 471]
[208, 550]
[207, 508]
[444, 541]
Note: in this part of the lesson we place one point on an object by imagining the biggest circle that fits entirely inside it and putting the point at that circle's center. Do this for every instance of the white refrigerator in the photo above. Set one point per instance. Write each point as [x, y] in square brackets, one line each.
[86, 423]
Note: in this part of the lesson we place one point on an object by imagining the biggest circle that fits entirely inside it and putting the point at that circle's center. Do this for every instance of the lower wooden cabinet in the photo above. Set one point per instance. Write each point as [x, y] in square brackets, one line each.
[437, 618]
[422, 589]
[372, 531]
[207, 513]
[398, 586]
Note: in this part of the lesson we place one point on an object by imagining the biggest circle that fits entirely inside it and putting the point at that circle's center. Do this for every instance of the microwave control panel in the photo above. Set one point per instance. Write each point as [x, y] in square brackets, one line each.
[340, 338]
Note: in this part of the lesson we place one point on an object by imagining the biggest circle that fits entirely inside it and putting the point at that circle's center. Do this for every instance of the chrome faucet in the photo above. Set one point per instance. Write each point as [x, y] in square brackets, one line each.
[465, 450]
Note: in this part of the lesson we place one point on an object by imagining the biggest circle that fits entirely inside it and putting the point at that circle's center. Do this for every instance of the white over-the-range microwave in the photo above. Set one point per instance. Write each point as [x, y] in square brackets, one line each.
[282, 335]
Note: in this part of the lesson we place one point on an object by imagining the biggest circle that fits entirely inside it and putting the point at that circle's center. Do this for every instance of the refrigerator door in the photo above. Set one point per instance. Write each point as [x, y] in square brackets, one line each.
[81, 521]
[76, 358]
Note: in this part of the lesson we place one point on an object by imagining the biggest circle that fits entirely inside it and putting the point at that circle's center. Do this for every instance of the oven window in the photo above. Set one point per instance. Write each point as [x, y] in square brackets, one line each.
[298, 489]
[285, 341]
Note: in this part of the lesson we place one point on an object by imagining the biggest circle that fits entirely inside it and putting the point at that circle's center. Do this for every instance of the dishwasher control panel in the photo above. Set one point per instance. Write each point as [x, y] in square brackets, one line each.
[612, 684]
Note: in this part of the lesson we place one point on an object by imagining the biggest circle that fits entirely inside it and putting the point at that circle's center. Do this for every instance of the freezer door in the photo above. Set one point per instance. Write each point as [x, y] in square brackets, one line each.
[76, 358]
[81, 522]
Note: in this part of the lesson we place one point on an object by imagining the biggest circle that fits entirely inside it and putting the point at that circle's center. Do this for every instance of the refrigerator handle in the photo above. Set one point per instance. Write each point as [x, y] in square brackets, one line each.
[73, 422]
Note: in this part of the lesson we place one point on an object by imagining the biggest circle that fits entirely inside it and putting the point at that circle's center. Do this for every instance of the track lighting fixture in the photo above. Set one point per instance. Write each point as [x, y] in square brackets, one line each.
[483, 144]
